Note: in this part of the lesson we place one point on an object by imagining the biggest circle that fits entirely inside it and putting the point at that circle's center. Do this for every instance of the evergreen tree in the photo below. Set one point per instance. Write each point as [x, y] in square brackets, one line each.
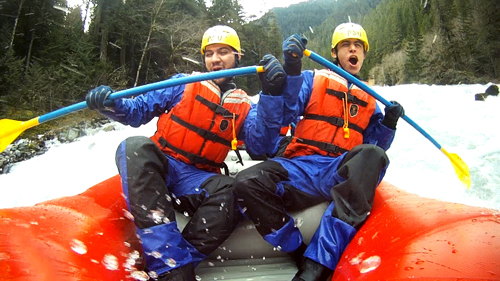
[226, 12]
[258, 38]
[413, 63]
[486, 25]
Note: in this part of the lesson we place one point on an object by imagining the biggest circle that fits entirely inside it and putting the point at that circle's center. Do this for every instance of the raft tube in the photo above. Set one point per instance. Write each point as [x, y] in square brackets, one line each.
[90, 236]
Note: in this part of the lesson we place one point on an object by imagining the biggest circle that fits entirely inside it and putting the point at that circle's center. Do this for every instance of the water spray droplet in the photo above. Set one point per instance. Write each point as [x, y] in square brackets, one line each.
[110, 262]
[78, 247]
[140, 275]
[171, 262]
[370, 264]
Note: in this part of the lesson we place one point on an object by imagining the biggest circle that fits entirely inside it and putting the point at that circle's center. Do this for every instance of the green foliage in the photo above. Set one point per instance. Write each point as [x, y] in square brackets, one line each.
[413, 65]
[298, 18]
[11, 69]
[258, 38]
[330, 14]
[440, 39]
[227, 12]
[431, 41]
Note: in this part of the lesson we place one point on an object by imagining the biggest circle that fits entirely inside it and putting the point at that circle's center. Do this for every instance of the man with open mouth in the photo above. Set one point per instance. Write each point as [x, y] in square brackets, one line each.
[337, 154]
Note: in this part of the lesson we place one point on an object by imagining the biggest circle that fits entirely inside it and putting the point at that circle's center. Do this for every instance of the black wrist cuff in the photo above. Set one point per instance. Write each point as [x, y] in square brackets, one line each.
[293, 69]
[271, 93]
[390, 123]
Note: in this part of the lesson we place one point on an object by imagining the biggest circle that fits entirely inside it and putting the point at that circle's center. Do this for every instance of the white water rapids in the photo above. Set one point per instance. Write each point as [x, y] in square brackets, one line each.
[449, 114]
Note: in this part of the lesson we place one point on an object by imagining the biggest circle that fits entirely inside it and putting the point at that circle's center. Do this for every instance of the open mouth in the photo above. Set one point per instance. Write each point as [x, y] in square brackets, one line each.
[353, 60]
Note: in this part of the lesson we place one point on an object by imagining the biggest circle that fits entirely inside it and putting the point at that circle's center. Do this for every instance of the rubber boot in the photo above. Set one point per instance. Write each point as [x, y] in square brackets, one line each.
[312, 271]
[298, 255]
[183, 273]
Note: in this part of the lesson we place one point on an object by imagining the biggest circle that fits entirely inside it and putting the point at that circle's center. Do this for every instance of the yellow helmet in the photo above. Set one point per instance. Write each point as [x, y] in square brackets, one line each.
[349, 30]
[220, 34]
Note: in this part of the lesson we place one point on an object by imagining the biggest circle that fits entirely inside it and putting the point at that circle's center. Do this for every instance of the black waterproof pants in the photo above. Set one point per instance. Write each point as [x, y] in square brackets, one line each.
[257, 189]
[212, 207]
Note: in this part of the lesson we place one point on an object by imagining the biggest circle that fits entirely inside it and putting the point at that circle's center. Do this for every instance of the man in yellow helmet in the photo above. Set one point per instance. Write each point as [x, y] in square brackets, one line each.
[337, 155]
[178, 168]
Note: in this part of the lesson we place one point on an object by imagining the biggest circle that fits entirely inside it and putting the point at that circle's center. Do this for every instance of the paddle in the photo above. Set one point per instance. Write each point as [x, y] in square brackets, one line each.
[11, 129]
[461, 169]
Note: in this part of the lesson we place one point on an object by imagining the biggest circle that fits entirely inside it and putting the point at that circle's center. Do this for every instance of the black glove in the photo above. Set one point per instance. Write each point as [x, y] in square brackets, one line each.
[293, 51]
[273, 76]
[95, 98]
[392, 114]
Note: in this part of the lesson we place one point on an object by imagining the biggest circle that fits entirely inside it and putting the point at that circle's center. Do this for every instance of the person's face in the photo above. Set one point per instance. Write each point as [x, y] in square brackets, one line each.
[219, 57]
[350, 54]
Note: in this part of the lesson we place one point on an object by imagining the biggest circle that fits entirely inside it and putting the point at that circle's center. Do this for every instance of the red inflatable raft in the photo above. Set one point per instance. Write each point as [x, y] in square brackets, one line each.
[88, 237]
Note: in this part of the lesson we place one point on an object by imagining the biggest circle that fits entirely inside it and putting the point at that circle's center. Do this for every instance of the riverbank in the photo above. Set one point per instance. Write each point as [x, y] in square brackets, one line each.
[35, 141]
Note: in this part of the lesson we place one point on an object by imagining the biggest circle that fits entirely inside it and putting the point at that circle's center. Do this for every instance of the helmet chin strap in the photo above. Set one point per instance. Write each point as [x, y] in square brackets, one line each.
[338, 63]
[236, 60]
[335, 58]
[228, 82]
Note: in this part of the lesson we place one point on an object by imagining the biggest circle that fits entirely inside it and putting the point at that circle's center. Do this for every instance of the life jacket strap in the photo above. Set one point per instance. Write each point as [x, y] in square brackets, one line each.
[190, 156]
[225, 168]
[335, 121]
[202, 132]
[350, 98]
[328, 147]
[218, 109]
[240, 160]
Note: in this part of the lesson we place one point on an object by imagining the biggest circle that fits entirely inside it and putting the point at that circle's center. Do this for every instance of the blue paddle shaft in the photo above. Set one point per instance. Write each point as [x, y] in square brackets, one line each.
[154, 86]
[326, 63]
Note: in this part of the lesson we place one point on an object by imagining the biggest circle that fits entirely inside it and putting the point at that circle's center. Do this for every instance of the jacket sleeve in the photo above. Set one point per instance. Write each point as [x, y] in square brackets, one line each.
[141, 109]
[376, 133]
[290, 93]
[305, 92]
[262, 126]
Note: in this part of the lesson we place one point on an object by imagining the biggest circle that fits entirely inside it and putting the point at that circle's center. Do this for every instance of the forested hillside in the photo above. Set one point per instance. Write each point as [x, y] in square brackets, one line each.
[48, 60]
[302, 17]
[425, 41]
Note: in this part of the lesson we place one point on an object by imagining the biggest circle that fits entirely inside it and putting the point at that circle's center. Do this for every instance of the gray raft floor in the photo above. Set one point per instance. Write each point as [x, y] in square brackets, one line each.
[274, 269]
[245, 256]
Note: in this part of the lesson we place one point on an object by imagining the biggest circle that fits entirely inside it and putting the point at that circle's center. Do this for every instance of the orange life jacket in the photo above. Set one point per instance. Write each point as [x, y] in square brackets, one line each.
[334, 119]
[199, 129]
[284, 130]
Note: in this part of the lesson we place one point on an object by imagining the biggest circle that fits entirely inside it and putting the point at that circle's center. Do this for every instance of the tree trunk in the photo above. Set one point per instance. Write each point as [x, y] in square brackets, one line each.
[123, 55]
[86, 14]
[15, 25]
[104, 44]
[97, 19]
[28, 57]
[143, 55]
[144, 51]
[101, 30]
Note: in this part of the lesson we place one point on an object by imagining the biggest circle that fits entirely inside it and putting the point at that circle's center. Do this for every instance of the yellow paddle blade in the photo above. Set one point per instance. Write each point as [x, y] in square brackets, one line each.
[11, 129]
[461, 169]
